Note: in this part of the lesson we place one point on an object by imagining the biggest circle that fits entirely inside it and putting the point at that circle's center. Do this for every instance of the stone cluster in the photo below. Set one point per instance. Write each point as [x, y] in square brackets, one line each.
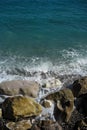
[63, 109]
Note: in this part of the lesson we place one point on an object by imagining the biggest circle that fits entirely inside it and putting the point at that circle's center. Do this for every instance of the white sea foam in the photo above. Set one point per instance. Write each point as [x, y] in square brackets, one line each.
[71, 62]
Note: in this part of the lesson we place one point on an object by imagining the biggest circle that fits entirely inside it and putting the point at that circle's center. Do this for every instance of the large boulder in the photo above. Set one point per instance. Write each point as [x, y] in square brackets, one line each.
[20, 106]
[16, 87]
[79, 86]
[64, 101]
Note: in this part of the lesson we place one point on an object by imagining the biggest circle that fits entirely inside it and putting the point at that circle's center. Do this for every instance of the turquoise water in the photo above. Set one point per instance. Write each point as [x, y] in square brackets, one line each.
[43, 35]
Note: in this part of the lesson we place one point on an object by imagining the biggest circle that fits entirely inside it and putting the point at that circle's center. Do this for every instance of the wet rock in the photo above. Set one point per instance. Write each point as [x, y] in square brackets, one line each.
[79, 86]
[81, 104]
[46, 103]
[35, 127]
[16, 87]
[57, 95]
[81, 125]
[17, 107]
[64, 104]
[76, 116]
[50, 125]
[52, 83]
[2, 124]
[2, 99]
[20, 125]
[68, 80]
[19, 71]
[47, 125]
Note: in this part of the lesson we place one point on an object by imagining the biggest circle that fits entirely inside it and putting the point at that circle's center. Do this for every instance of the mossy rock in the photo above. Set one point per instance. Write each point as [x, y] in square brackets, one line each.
[20, 107]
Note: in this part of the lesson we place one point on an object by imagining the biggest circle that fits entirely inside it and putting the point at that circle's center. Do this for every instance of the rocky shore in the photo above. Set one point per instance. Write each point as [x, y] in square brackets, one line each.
[53, 105]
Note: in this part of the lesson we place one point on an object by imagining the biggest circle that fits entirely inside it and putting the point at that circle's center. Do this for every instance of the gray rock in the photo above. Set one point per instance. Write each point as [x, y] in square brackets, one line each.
[16, 87]
[52, 83]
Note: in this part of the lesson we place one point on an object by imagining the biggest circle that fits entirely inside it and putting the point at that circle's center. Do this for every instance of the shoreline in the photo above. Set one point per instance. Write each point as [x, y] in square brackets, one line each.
[48, 102]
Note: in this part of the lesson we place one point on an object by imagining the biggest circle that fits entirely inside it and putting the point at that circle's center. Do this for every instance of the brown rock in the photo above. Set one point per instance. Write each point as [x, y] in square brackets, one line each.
[0, 113]
[16, 87]
[35, 127]
[46, 103]
[79, 86]
[50, 125]
[20, 125]
[64, 100]
[46, 125]
[20, 106]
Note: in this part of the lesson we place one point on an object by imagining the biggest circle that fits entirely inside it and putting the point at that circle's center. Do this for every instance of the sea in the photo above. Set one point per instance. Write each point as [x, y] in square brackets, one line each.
[42, 39]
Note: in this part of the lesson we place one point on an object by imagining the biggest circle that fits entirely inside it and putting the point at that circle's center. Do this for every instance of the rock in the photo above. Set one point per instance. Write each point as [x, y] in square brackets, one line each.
[16, 87]
[46, 103]
[81, 104]
[47, 125]
[64, 100]
[81, 125]
[0, 113]
[2, 124]
[76, 116]
[2, 99]
[79, 86]
[20, 106]
[50, 125]
[35, 127]
[20, 125]
[68, 79]
[52, 83]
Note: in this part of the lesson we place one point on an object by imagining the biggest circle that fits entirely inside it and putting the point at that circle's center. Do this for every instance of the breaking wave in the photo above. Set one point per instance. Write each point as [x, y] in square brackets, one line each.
[69, 62]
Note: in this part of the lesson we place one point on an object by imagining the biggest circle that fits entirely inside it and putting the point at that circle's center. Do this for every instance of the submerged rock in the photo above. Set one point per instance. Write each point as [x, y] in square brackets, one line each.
[16, 87]
[20, 125]
[17, 107]
[79, 86]
[64, 104]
